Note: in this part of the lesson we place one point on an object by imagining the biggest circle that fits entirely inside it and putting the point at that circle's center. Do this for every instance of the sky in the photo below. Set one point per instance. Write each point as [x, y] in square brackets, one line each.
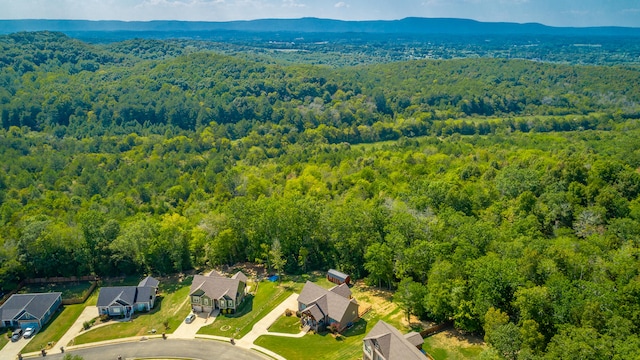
[549, 12]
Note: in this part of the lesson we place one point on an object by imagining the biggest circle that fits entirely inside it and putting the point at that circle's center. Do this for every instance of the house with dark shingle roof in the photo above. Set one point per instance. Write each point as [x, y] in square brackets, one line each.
[385, 342]
[216, 292]
[320, 307]
[29, 310]
[126, 300]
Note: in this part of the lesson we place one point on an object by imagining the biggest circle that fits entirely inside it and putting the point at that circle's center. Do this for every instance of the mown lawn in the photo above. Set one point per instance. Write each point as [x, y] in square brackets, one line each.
[322, 345]
[71, 290]
[449, 346]
[55, 328]
[286, 324]
[171, 307]
[267, 297]
[3, 340]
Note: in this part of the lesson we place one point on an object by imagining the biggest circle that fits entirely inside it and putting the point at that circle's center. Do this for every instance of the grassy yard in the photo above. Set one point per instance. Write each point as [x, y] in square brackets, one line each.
[322, 345]
[56, 328]
[3, 340]
[171, 307]
[70, 290]
[286, 324]
[451, 345]
[268, 296]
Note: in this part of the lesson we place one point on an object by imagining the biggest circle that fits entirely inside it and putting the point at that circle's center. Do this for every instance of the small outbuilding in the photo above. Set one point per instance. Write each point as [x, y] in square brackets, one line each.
[338, 277]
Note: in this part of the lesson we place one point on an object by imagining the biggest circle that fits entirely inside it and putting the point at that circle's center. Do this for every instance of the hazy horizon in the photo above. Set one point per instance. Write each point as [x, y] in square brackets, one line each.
[563, 13]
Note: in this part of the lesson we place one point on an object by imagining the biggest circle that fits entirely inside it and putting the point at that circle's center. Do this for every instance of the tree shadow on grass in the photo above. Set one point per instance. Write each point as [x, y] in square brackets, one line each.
[245, 308]
[358, 328]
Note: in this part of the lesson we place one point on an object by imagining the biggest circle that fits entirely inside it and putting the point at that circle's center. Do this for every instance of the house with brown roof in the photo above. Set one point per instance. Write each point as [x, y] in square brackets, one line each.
[216, 292]
[320, 308]
[385, 342]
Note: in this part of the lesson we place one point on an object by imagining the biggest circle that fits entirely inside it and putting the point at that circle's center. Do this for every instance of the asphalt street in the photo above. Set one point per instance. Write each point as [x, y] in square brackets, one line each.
[194, 349]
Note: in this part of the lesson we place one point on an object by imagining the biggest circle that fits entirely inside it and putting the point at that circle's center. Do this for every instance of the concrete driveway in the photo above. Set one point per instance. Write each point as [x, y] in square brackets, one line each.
[188, 331]
[87, 314]
[12, 349]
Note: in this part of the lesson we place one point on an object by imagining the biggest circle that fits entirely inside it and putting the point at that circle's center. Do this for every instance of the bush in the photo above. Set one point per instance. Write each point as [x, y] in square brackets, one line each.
[334, 328]
[288, 312]
[104, 317]
[298, 313]
[166, 324]
[86, 325]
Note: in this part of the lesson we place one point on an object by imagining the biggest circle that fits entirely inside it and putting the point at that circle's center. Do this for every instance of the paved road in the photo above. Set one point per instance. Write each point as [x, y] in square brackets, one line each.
[194, 349]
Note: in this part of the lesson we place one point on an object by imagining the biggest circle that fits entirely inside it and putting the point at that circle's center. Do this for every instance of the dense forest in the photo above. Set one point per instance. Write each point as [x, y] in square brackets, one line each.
[502, 195]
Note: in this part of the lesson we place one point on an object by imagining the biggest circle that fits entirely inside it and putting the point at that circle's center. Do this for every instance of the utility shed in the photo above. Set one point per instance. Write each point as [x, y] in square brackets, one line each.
[338, 277]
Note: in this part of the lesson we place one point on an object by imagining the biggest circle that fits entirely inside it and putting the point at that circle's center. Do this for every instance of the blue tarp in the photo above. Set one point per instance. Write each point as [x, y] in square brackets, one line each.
[273, 278]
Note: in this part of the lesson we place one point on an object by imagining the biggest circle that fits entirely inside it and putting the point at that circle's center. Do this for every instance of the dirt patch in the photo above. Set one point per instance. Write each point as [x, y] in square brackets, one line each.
[255, 271]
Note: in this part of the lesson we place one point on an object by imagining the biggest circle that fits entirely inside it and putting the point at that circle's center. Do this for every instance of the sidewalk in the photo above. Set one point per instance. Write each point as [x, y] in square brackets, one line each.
[87, 314]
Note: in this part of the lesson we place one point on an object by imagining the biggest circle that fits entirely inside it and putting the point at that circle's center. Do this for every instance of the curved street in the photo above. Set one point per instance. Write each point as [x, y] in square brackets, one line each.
[194, 349]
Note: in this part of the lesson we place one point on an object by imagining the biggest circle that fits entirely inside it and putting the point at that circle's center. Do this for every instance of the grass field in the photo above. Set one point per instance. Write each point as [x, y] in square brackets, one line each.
[3, 340]
[171, 306]
[450, 345]
[268, 296]
[56, 328]
[71, 290]
[286, 324]
[321, 345]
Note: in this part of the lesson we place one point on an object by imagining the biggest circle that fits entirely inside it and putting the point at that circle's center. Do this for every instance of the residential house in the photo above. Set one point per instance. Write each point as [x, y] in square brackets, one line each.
[319, 307]
[216, 292]
[29, 310]
[126, 300]
[385, 342]
[338, 277]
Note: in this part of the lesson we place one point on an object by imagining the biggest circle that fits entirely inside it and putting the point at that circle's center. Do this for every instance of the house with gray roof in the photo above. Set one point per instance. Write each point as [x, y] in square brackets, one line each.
[216, 292]
[319, 307]
[29, 310]
[126, 300]
[385, 342]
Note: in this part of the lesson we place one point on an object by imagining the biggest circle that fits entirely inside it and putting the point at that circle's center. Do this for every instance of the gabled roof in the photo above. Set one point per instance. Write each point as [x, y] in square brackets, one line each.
[330, 303]
[35, 304]
[337, 274]
[150, 282]
[240, 276]
[215, 286]
[414, 338]
[342, 290]
[314, 311]
[123, 295]
[392, 344]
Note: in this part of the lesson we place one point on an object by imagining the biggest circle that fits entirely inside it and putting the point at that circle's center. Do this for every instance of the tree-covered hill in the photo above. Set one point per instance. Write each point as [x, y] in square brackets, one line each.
[505, 197]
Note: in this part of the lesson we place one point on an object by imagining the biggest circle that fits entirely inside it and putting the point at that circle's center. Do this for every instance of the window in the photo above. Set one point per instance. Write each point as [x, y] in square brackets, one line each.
[116, 310]
[230, 303]
[205, 301]
[367, 348]
[195, 300]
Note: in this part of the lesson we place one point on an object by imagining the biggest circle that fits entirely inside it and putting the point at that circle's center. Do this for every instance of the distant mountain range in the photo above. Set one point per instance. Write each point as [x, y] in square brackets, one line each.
[413, 26]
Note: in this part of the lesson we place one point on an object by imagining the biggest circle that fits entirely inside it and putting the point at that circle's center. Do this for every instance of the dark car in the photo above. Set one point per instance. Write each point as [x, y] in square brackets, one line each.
[17, 333]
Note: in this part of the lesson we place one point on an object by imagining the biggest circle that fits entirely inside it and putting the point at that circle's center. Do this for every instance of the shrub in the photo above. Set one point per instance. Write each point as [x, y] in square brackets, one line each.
[86, 325]
[288, 312]
[166, 324]
[298, 313]
[334, 328]
[104, 317]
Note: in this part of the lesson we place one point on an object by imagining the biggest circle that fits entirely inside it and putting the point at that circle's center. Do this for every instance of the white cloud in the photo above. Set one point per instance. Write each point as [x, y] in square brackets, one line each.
[292, 4]
[341, 4]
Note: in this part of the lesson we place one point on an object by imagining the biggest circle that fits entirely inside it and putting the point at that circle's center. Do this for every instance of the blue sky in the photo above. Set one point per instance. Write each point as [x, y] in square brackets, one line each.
[549, 12]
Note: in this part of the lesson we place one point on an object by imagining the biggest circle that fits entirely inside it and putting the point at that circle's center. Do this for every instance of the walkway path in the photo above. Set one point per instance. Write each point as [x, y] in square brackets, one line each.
[87, 314]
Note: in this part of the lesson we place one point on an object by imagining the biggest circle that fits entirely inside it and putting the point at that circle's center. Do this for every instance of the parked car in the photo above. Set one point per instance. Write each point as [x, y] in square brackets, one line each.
[189, 319]
[17, 333]
[29, 332]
